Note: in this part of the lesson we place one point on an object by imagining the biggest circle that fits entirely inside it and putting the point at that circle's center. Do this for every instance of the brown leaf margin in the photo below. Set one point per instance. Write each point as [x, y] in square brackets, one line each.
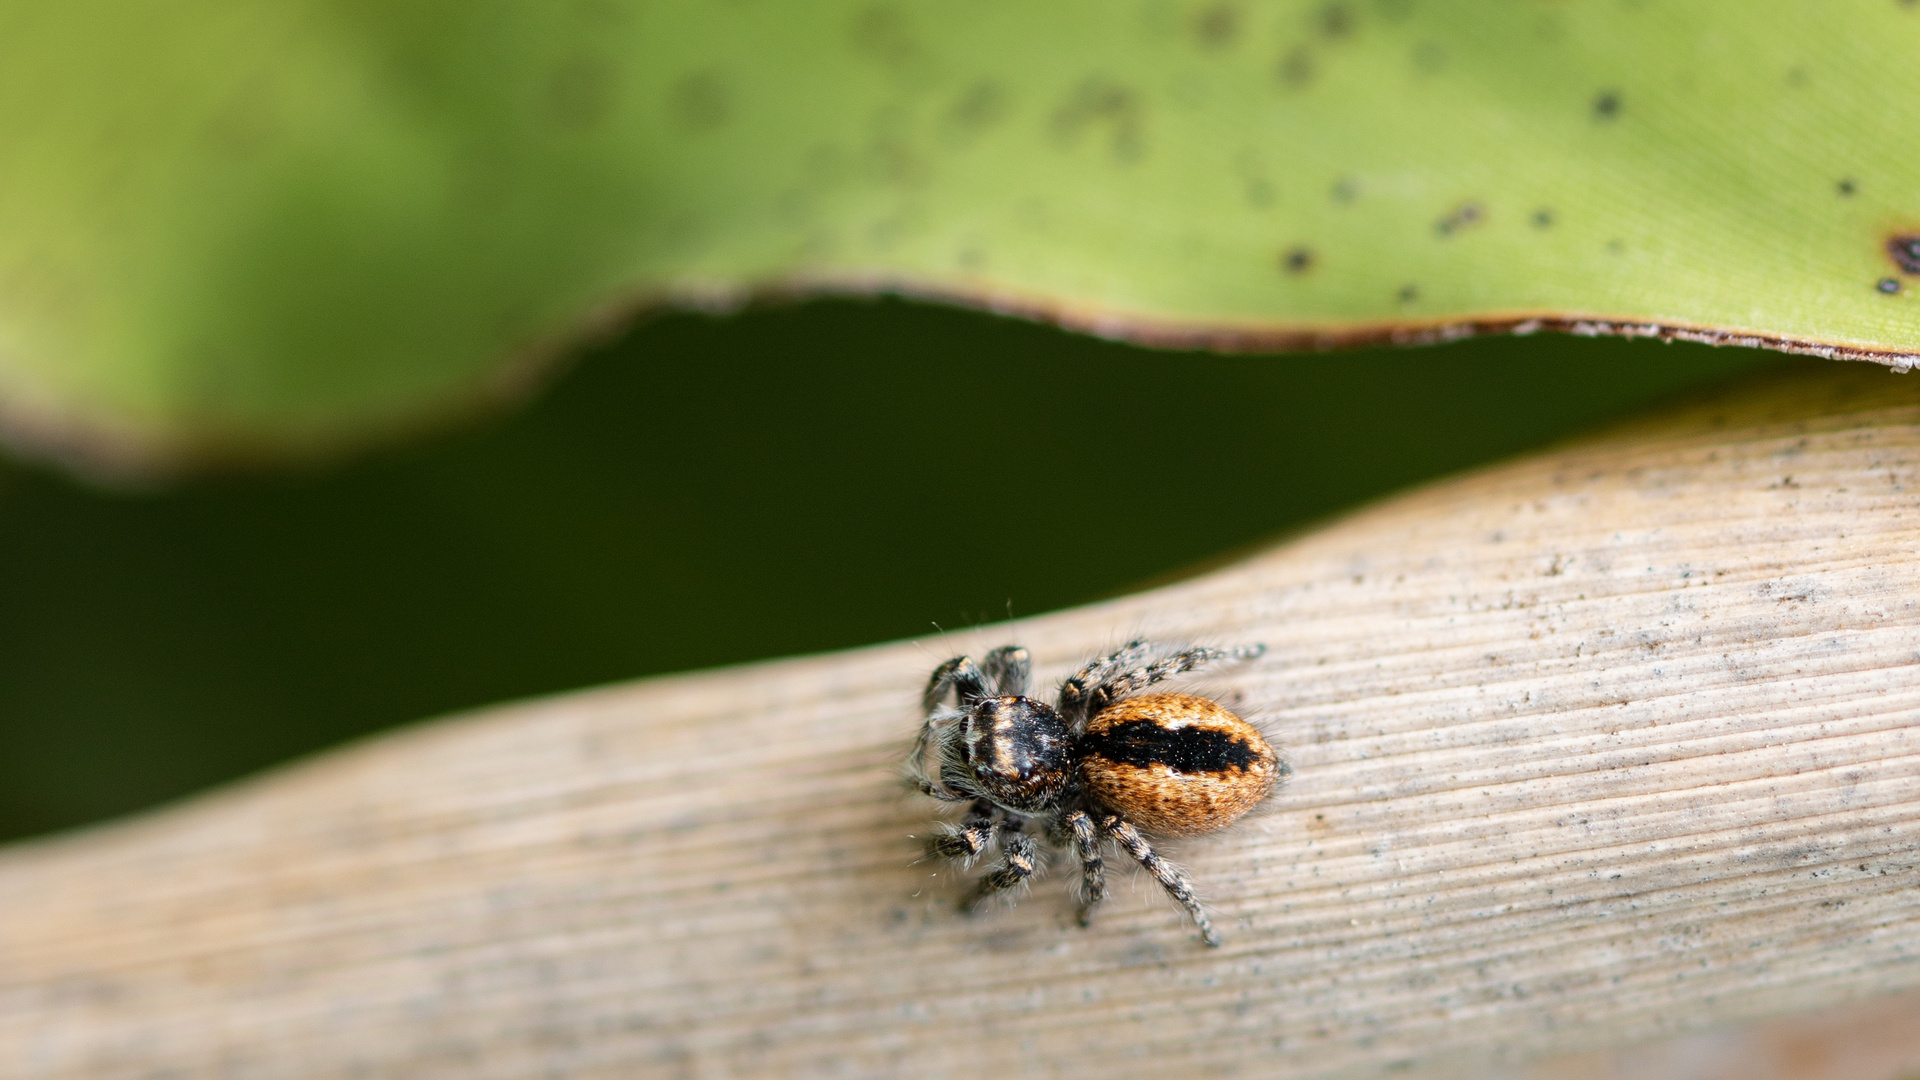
[115, 455]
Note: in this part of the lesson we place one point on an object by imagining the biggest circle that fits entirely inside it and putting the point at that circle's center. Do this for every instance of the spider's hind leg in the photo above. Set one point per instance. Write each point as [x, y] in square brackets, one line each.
[1171, 878]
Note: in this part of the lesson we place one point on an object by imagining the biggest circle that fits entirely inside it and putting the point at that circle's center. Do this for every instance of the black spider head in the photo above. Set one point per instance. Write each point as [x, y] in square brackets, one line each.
[995, 742]
[1015, 751]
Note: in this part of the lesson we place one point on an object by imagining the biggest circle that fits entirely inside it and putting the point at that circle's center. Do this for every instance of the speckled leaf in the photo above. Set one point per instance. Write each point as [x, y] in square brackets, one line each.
[230, 228]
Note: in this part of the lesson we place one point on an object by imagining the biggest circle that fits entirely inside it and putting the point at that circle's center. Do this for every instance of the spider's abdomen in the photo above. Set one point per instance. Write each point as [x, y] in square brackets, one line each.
[1176, 764]
[1019, 752]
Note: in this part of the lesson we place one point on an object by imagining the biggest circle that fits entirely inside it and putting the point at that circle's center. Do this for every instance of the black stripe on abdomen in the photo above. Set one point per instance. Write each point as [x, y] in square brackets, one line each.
[1184, 749]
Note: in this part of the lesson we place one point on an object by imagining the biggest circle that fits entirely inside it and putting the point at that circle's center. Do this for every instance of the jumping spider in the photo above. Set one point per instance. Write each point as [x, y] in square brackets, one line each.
[1100, 764]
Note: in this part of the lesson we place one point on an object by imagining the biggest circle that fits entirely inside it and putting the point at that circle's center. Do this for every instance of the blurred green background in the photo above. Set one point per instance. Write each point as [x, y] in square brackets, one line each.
[242, 231]
[706, 491]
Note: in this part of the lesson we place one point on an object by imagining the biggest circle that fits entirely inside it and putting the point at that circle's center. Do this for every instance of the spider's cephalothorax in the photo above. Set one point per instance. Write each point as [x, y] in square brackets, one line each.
[1100, 765]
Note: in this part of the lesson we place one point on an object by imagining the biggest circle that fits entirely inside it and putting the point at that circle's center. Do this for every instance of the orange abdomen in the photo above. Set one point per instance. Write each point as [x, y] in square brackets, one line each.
[1176, 764]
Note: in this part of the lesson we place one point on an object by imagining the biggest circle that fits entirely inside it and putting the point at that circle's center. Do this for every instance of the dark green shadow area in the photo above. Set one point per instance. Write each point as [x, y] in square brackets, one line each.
[707, 491]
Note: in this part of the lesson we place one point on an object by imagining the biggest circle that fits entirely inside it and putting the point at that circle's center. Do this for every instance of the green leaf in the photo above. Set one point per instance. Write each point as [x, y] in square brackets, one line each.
[233, 229]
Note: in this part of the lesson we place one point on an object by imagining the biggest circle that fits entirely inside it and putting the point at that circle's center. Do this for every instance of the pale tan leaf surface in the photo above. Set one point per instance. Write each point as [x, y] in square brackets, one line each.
[1869, 1040]
[1607, 744]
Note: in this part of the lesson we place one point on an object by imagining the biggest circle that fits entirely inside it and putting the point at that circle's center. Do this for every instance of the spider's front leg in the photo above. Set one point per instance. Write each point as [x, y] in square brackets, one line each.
[1010, 668]
[961, 675]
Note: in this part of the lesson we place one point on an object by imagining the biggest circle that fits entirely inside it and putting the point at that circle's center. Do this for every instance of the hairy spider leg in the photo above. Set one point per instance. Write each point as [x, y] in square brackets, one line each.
[1018, 858]
[1010, 669]
[969, 838]
[960, 675]
[1127, 683]
[1074, 693]
[1093, 871]
[1171, 878]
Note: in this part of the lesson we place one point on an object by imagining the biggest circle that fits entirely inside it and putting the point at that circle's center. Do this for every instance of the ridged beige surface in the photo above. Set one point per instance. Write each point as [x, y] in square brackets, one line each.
[1606, 744]
[1877, 1039]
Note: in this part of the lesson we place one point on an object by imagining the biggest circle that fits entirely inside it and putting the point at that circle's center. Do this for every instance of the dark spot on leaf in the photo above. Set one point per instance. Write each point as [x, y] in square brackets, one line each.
[1890, 286]
[1606, 105]
[1905, 251]
[1464, 216]
[979, 107]
[1297, 260]
[1796, 77]
[701, 101]
[882, 33]
[1217, 26]
[1429, 58]
[1336, 20]
[580, 93]
[1345, 190]
[1846, 187]
[1296, 68]
[1543, 218]
[1616, 247]
[1409, 293]
[1099, 102]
